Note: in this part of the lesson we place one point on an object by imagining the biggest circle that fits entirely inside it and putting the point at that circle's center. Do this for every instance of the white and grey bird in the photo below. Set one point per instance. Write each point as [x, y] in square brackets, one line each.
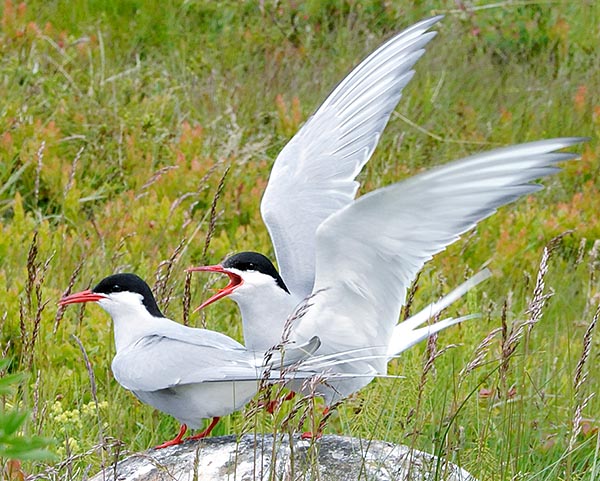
[191, 374]
[354, 259]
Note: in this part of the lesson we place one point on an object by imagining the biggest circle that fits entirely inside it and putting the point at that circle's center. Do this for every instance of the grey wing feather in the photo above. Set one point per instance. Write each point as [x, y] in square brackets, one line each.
[314, 175]
[159, 362]
[369, 252]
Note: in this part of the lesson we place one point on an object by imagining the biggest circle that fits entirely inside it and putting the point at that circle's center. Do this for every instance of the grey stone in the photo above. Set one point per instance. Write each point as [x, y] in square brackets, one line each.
[263, 457]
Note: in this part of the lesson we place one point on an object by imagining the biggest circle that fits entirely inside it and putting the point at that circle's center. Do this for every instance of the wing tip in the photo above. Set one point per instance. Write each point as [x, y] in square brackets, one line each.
[428, 22]
[555, 143]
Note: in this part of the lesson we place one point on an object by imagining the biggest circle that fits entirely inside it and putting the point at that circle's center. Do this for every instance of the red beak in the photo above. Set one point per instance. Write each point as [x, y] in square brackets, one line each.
[235, 281]
[83, 296]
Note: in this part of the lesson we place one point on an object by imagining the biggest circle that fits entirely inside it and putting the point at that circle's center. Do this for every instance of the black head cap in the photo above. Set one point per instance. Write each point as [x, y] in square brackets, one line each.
[129, 283]
[253, 261]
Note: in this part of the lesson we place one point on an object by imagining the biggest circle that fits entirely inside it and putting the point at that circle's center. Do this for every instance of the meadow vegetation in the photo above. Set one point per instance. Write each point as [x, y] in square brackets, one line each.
[138, 136]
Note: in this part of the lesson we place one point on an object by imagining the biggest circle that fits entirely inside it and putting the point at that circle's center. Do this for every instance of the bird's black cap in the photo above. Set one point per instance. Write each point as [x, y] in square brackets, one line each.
[129, 283]
[253, 261]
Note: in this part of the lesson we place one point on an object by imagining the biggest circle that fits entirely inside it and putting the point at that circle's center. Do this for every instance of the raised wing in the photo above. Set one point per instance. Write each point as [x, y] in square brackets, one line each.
[369, 253]
[313, 176]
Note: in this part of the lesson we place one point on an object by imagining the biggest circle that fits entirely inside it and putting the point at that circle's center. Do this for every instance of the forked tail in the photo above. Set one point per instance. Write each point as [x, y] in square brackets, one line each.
[406, 334]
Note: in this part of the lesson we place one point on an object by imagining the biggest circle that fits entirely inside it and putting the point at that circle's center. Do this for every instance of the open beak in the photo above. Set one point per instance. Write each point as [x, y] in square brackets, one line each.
[235, 281]
[83, 296]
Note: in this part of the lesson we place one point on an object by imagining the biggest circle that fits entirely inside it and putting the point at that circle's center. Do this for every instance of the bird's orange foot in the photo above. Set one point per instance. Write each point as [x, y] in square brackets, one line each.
[207, 431]
[271, 406]
[176, 440]
[319, 433]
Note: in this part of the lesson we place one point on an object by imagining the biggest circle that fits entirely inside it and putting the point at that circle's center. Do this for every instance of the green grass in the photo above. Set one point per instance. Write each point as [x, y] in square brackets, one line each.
[100, 96]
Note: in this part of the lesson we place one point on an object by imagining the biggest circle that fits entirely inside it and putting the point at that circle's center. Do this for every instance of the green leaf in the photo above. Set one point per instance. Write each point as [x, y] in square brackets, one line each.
[27, 453]
[25, 448]
[11, 421]
[7, 381]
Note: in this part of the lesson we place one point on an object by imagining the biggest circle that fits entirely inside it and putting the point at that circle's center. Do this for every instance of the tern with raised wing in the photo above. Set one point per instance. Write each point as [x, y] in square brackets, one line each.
[368, 253]
[354, 259]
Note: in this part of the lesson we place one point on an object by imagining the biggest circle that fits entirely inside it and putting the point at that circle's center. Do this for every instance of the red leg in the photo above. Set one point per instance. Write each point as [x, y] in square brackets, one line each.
[311, 435]
[176, 440]
[272, 405]
[207, 431]
[319, 433]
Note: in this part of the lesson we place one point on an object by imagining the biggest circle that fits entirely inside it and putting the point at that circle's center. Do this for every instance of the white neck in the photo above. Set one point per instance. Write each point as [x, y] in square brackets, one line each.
[131, 320]
[264, 309]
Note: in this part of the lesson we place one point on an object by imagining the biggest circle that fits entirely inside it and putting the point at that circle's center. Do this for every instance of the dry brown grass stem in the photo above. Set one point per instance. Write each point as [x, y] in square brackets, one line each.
[32, 307]
[300, 311]
[56, 472]
[60, 312]
[162, 288]
[155, 177]
[593, 267]
[432, 353]
[410, 297]
[479, 355]
[212, 224]
[71, 180]
[93, 388]
[305, 407]
[8, 343]
[273, 392]
[539, 299]
[506, 348]
[38, 172]
[581, 374]
[511, 338]
[187, 298]
[36, 398]
[581, 251]
[32, 267]
[203, 183]
[594, 255]
[118, 252]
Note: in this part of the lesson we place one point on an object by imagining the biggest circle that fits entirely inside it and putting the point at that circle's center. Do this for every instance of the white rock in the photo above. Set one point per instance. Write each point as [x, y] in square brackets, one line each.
[257, 457]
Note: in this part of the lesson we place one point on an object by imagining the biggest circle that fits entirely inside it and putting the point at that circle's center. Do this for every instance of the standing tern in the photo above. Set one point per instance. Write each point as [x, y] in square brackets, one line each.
[191, 374]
